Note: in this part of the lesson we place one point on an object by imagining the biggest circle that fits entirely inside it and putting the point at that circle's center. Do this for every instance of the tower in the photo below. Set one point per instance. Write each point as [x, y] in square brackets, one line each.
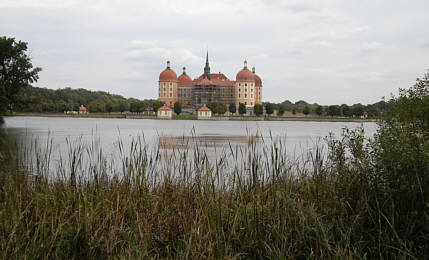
[207, 68]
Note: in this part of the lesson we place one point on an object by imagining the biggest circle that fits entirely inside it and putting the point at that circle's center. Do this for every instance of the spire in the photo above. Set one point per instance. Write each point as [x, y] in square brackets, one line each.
[253, 70]
[207, 67]
[168, 64]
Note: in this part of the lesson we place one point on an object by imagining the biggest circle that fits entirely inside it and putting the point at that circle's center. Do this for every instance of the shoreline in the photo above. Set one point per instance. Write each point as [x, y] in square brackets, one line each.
[215, 118]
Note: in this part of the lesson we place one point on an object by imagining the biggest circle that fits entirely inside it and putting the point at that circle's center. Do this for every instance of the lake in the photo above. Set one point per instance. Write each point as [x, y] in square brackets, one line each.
[115, 136]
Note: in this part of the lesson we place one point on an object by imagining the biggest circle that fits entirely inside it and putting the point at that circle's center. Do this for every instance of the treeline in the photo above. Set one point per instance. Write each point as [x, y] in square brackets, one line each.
[34, 99]
[356, 110]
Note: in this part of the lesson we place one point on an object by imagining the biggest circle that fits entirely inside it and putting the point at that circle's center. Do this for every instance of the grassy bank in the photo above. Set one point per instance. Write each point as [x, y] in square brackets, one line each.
[194, 117]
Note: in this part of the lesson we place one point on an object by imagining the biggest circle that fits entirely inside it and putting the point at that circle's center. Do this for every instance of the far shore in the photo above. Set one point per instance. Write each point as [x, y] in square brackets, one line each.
[214, 118]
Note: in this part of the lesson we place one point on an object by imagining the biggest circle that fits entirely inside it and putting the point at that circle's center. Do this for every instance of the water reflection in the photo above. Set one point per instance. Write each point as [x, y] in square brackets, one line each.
[207, 141]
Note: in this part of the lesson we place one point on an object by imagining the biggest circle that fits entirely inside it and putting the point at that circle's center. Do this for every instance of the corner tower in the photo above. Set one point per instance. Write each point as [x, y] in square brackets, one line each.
[167, 86]
[245, 87]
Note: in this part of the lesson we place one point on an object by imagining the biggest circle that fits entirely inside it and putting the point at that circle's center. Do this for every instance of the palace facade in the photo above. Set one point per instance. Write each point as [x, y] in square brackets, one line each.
[209, 87]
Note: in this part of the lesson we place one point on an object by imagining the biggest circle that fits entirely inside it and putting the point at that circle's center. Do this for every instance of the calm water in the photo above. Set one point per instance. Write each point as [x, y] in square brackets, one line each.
[212, 136]
[297, 134]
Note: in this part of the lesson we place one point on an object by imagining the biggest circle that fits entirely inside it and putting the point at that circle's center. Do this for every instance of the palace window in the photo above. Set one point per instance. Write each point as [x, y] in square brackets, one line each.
[245, 84]
[251, 96]
[171, 84]
[239, 84]
[239, 95]
[245, 95]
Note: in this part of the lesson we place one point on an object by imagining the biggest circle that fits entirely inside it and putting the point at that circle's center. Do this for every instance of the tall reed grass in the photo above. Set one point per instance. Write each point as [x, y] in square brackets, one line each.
[250, 201]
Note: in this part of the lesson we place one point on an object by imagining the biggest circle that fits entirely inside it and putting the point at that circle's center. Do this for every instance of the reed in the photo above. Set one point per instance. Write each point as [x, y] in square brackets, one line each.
[250, 201]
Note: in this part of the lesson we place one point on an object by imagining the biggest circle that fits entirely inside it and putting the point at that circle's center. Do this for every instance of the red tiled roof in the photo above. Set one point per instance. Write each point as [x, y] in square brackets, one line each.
[217, 79]
[258, 81]
[245, 75]
[184, 80]
[82, 108]
[168, 75]
[164, 108]
[204, 108]
[203, 82]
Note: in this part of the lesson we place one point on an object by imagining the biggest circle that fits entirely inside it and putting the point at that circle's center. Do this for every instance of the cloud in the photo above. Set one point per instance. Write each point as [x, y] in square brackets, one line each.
[297, 46]
[372, 46]
[146, 51]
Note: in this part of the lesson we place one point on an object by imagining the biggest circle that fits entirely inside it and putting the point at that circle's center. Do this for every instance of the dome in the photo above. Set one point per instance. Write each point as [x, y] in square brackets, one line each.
[168, 74]
[258, 81]
[184, 79]
[245, 74]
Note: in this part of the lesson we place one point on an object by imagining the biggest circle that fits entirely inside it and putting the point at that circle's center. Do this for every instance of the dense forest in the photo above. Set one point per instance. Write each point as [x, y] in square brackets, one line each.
[356, 110]
[43, 100]
[34, 99]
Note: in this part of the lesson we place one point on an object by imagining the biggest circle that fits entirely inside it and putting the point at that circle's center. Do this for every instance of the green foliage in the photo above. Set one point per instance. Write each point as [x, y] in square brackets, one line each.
[282, 109]
[269, 109]
[345, 110]
[306, 110]
[177, 108]
[137, 106]
[156, 105]
[258, 109]
[412, 105]
[221, 108]
[16, 71]
[242, 109]
[217, 108]
[232, 108]
[185, 117]
[36, 99]
[319, 110]
[357, 110]
[333, 110]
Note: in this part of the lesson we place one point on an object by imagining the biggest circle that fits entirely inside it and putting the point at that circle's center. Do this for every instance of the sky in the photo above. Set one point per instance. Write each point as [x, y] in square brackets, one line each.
[325, 52]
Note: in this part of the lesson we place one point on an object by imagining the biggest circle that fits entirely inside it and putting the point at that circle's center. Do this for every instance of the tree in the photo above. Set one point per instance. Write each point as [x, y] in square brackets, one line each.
[345, 110]
[156, 105]
[334, 110]
[319, 110]
[212, 106]
[306, 110]
[177, 108]
[269, 108]
[358, 110]
[221, 108]
[16, 71]
[242, 109]
[232, 108]
[258, 109]
[282, 109]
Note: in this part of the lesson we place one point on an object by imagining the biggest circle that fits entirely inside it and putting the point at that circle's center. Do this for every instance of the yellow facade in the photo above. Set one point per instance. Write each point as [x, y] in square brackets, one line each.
[245, 92]
[168, 92]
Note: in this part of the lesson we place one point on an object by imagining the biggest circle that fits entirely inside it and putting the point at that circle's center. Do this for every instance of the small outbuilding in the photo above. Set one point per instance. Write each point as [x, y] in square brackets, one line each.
[82, 110]
[164, 112]
[204, 113]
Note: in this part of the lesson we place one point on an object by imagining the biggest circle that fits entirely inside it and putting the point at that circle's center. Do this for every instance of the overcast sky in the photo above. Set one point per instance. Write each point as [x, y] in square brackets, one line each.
[329, 52]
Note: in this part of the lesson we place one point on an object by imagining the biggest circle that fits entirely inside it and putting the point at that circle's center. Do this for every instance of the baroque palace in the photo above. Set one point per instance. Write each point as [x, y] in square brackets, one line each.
[209, 87]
